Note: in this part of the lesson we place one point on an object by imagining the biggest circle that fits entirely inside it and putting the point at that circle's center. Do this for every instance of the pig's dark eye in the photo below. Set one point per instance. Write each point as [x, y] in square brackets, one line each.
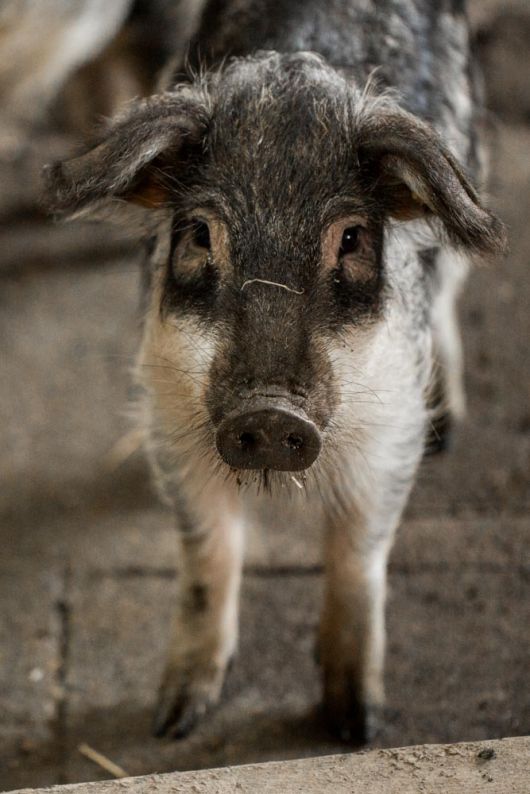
[350, 240]
[201, 234]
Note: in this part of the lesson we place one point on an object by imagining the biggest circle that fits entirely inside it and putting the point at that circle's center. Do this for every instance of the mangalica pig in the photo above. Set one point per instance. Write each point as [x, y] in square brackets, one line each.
[307, 185]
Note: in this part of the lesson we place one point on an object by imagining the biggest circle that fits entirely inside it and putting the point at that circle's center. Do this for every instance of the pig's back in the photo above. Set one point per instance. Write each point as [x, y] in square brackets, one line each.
[419, 47]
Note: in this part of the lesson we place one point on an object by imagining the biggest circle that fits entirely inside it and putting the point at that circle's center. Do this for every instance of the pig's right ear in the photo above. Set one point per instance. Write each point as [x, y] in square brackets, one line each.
[414, 175]
[132, 160]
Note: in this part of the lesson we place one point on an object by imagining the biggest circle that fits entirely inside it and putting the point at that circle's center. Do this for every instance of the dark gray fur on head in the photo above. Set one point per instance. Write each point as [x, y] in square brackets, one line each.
[256, 113]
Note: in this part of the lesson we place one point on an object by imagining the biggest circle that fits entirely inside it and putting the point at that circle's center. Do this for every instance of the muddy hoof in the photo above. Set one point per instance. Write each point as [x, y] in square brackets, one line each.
[184, 698]
[354, 723]
[175, 717]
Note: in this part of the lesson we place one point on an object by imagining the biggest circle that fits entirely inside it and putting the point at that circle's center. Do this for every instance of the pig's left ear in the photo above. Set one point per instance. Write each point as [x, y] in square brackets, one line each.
[131, 160]
[417, 177]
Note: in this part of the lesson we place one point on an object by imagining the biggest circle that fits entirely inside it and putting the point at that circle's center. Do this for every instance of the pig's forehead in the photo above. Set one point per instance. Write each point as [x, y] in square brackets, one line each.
[297, 103]
[275, 71]
[290, 139]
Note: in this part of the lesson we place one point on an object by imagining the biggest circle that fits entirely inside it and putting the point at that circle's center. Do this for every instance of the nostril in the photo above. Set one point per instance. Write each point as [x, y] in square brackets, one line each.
[246, 441]
[294, 441]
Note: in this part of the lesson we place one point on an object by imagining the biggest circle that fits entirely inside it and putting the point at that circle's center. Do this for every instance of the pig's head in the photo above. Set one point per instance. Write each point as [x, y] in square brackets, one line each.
[271, 183]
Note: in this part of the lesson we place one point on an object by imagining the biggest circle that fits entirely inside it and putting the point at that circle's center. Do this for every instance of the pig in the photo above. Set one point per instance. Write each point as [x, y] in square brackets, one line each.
[310, 224]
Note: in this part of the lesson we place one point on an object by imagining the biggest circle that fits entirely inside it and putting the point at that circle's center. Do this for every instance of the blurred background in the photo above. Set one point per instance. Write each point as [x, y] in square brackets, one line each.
[87, 553]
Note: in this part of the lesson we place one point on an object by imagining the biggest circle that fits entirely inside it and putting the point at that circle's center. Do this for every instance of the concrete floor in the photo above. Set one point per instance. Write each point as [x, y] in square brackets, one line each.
[87, 554]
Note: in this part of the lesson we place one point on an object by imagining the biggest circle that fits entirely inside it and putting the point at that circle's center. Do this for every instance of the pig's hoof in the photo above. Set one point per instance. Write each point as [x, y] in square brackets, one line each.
[177, 714]
[184, 697]
[352, 721]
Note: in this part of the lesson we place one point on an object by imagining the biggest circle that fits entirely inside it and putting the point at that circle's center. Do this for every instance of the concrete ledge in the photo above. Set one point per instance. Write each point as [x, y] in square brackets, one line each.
[496, 767]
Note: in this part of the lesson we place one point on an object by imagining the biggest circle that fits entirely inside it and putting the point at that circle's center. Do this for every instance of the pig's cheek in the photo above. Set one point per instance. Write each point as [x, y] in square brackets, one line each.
[175, 362]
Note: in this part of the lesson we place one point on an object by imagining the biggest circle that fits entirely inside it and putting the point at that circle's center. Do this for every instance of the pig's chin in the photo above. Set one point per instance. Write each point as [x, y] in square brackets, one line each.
[270, 482]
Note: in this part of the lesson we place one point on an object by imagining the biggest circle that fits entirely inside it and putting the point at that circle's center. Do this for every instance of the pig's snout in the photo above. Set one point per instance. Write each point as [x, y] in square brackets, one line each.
[268, 434]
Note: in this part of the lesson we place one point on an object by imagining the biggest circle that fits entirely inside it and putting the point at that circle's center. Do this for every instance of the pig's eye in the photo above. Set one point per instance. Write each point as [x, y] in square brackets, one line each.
[201, 234]
[350, 240]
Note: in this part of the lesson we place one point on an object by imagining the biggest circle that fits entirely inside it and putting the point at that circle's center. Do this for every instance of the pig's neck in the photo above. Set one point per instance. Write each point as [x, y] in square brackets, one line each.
[415, 48]
[241, 27]
[357, 34]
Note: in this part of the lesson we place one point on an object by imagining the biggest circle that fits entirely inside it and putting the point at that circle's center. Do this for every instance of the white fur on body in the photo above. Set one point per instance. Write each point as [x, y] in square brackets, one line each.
[452, 270]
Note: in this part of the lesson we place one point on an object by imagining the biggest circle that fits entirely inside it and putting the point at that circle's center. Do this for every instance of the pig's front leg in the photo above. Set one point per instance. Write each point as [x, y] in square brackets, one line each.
[352, 630]
[205, 626]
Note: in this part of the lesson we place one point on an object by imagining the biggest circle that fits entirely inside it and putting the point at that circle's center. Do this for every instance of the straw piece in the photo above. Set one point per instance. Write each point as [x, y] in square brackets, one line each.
[102, 761]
